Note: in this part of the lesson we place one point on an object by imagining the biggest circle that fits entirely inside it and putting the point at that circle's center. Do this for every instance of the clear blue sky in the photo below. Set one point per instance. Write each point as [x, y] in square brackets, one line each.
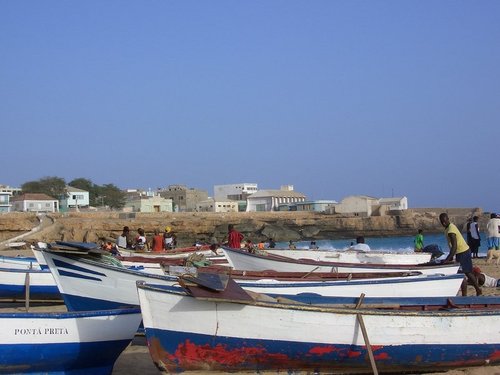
[335, 97]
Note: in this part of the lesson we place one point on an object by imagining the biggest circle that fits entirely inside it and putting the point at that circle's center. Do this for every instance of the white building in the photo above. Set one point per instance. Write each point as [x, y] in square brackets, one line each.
[211, 205]
[5, 201]
[272, 200]
[363, 205]
[34, 202]
[147, 203]
[234, 192]
[75, 198]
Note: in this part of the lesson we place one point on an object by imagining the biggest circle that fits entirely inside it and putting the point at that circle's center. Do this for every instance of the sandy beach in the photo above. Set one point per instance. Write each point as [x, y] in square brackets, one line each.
[136, 360]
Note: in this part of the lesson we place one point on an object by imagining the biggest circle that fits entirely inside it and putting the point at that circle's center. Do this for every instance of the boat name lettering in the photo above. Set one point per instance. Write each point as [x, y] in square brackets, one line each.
[40, 331]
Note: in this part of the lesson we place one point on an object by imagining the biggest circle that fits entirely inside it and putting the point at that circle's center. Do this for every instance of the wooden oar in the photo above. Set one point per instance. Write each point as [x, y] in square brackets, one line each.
[365, 335]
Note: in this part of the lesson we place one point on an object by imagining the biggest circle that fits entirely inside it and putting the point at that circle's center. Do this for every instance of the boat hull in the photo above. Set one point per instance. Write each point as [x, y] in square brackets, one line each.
[41, 284]
[88, 285]
[65, 343]
[241, 260]
[189, 334]
[350, 256]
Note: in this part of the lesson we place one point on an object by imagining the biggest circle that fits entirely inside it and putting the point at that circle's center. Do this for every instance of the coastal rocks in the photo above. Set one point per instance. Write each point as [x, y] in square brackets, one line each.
[212, 227]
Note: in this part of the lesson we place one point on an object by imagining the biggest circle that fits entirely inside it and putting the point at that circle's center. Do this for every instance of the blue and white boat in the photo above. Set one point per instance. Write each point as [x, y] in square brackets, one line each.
[195, 330]
[88, 284]
[65, 342]
[19, 262]
[29, 283]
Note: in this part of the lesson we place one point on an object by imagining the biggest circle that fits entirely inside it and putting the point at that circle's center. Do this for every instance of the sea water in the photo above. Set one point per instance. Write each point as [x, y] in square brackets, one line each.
[396, 244]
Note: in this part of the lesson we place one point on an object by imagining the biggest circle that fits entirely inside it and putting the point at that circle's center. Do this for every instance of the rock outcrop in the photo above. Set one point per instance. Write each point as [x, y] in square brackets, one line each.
[212, 227]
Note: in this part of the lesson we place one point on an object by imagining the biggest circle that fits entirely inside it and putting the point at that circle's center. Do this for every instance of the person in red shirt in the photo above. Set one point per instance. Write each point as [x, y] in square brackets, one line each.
[158, 244]
[234, 237]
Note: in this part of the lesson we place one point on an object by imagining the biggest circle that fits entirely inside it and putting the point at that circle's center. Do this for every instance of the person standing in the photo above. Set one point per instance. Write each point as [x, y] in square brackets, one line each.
[419, 241]
[493, 229]
[474, 238]
[234, 237]
[460, 250]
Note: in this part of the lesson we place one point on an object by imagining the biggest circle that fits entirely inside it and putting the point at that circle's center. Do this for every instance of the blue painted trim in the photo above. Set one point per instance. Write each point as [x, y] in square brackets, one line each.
[76, 275]
[80, 303]
[259, 355]
[36, 291]
[63, 264]
[70, 314]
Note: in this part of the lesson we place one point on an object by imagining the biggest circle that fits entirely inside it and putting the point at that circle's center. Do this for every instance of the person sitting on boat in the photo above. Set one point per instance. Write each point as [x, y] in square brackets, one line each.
[485, 280]
[157, 244]
[249, 246]
[169, 238]
[141, 243]
[360, 245]
[271, 244]
[313, 246]
[291, 245]
[123, 239]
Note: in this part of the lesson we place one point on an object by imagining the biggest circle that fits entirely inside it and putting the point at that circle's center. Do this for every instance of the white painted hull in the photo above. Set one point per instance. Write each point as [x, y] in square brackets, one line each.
[177, 325]
[65, 342]
[408, 286]
[18, 263]
[241, 260]
[91, 285]
[350, 256]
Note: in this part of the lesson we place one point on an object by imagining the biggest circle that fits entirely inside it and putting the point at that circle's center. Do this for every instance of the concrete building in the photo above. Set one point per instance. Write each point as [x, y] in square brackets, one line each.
[315, 206]
[5, 201]
[147, 203]
[34, 202]
[274, 200]
[184, 199]
[363, 205]
[12, 190]
[75, 199]
[211, 205]
[234, 192]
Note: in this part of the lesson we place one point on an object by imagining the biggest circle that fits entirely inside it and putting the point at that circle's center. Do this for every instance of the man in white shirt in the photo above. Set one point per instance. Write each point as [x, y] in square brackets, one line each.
[360, 244]
[493, 229]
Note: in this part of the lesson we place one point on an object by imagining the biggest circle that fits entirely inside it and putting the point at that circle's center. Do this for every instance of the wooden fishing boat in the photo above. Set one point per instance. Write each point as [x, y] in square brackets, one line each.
[243, 260]
[19, 262]
[196, 329]
[90, 284]
[65, 342]
[355, 256]
[27, 284]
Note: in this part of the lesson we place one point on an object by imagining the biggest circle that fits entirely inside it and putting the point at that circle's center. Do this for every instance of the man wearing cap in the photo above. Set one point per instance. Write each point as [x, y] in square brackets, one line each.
[460, 250]
[169, 238]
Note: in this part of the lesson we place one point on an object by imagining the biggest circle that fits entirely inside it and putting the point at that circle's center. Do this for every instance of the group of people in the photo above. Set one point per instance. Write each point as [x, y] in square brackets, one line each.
[159, 242]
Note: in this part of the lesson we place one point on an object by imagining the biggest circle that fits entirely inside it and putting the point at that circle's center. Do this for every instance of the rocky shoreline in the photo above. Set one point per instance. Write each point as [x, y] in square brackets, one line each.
[212, 227]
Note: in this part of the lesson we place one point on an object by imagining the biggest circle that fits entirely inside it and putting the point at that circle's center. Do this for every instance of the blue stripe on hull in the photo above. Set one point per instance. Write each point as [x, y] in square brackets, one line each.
[36, 291]
[79, 303]
[65, 358]
[189, 352]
